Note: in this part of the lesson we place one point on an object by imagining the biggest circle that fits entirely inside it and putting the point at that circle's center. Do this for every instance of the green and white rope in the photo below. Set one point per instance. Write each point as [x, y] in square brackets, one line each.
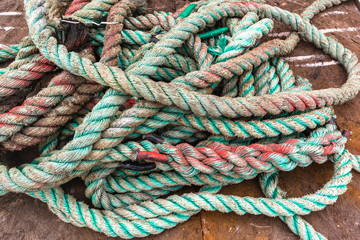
[224, 107]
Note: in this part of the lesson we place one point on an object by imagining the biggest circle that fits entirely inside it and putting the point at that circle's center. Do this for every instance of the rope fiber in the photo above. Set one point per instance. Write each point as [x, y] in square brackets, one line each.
[144, 104]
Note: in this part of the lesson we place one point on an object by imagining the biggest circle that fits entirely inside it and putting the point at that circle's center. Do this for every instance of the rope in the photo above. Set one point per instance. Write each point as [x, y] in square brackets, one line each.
[146, 104]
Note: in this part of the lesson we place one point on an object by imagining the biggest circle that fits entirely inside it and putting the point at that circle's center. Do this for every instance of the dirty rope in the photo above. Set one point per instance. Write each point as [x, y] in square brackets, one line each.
[145, 104]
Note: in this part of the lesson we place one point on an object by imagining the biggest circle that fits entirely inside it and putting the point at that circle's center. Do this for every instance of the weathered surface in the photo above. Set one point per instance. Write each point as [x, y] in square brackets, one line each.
[22, 217]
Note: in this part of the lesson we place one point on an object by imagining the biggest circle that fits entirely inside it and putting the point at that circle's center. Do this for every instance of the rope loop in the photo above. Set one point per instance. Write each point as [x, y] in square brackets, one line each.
[145, 104]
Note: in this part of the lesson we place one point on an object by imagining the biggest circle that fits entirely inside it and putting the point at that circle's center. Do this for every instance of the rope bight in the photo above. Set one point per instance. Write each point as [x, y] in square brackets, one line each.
[145, 104]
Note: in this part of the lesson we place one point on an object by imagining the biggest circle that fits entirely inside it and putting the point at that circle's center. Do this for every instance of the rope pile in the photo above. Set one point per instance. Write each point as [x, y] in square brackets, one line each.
[145, 104]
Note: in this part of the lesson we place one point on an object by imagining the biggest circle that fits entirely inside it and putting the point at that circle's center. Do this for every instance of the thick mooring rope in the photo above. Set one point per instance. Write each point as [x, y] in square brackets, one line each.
[146, 104]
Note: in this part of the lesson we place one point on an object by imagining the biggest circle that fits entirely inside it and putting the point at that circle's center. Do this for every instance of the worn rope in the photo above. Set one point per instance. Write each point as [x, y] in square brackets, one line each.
[147, 104]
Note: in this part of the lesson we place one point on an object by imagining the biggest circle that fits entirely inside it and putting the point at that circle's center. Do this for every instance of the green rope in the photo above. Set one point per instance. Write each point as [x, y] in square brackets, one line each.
[213, 33]
[194, 97]
[187, 11]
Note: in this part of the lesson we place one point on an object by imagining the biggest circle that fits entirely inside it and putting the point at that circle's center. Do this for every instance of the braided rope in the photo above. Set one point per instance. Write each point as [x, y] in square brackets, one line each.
[216, 106]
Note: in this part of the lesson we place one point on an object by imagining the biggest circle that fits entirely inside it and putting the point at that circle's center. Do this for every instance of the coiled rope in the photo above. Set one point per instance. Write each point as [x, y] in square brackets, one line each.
[148, 104]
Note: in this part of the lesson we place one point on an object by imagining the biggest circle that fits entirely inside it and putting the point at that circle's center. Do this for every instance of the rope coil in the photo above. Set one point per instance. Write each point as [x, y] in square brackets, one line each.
[146, 104]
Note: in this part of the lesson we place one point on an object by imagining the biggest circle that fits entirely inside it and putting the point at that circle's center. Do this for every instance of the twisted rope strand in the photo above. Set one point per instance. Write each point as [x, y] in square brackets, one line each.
[168, 100]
